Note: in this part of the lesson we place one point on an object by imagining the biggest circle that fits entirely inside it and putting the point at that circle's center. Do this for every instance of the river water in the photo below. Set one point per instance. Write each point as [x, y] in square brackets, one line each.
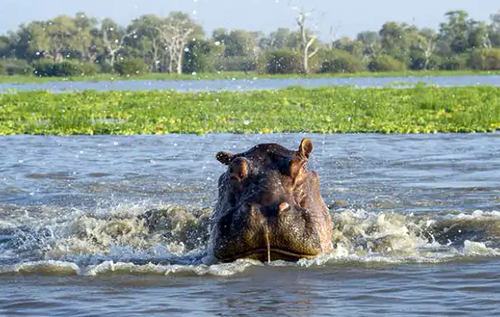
[417, 228]
[253, 84]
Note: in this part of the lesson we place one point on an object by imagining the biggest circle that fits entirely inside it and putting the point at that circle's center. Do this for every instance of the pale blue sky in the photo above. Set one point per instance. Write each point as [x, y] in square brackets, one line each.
[348, 17]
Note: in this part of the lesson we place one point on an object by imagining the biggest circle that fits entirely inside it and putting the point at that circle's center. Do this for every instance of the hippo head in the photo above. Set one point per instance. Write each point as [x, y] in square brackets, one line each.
[269, 206]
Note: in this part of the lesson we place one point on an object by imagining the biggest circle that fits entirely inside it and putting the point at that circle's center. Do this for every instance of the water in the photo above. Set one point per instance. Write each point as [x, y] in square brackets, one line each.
[417, 228]
[252, 84]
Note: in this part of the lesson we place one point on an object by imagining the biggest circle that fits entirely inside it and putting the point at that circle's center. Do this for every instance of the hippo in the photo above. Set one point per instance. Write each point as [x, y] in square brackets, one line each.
[269, 206]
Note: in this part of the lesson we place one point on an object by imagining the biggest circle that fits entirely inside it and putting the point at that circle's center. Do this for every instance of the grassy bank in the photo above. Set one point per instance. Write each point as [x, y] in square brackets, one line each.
[18, 79]
[325, 110]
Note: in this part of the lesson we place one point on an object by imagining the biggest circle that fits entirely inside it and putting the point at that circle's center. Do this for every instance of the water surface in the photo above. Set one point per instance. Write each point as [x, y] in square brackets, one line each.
[253, 84]
[417, 226]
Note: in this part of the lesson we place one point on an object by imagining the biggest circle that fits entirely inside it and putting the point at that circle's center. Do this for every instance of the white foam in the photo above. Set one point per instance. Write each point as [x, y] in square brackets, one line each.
[224, 269]
[67, 242]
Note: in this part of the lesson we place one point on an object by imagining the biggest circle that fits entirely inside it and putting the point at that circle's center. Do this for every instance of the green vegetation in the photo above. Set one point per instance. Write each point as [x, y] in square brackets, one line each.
[45, 68]
[327, 110]
[177, 44]
[131, 67]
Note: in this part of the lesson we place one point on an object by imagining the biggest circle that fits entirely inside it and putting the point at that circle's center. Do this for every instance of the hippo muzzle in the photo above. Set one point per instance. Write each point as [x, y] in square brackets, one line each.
[269, 206]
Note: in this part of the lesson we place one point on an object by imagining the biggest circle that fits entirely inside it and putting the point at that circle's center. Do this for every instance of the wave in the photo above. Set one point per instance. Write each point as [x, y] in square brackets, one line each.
[171, 240]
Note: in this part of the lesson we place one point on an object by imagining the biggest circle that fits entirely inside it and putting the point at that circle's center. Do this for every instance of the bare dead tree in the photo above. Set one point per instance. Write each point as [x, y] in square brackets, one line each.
[174, 34]
[166, 38]
[306, 41]
[429, 49]
[113, 46]
[154, 52]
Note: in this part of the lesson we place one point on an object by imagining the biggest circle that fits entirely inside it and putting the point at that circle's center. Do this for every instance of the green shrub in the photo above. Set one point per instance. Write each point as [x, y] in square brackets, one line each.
[417, 61]
[46, 68]
[386, 63]
[235, 63]
[283, 61]
[456, 62]
[131, 66]
[339, 61]
[199, 56]
[15, 67]
[485, 59]
[105, 67]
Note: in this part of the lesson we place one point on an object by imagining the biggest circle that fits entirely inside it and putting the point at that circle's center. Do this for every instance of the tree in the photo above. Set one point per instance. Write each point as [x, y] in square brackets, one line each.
[61, 35]
[354, 47]
[281, 38]
[199, 56]
[5, 47]
[478, 35]
[307, 39]
[455, 32]
[174, 31]
[371, 42]
[113, 38]
[90, 46]
[394, 40]
[428, 45]
[237, 42]
[494, 30]
[147, 41]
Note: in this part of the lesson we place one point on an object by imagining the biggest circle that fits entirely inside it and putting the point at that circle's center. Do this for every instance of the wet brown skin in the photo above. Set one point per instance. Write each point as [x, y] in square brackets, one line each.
[268, 197]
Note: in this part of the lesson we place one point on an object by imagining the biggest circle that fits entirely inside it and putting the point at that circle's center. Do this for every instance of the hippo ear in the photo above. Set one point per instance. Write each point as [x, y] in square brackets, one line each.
[305, 149]
[300, 158]
[224, 157]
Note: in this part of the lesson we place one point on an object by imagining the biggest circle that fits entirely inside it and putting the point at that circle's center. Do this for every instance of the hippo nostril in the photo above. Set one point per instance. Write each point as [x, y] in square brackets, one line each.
[284, 206]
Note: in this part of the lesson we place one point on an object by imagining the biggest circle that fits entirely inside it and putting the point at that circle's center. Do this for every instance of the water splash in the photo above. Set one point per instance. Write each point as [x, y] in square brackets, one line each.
[173, 240]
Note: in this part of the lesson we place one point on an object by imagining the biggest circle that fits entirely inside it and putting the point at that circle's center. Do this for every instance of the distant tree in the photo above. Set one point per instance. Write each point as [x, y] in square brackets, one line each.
[58, 36]
[494, 29]
[371, 42]
[175, 30]
[455, 32]
[88, 43]
[427, 46]
[5, 47]
[281, 38]
[113, 38]
[354, 47]
[397, 39]
[199, 56]
[478, 35]
[307, 39]
[237, 42]
[176, 43]
[147, 40]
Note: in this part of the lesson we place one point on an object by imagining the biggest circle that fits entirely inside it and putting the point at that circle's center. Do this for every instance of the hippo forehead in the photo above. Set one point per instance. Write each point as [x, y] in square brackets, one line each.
[267, 155]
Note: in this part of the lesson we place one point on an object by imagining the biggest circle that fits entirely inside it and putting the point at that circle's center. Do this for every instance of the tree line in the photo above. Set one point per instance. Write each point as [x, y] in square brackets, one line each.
[83, 45]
